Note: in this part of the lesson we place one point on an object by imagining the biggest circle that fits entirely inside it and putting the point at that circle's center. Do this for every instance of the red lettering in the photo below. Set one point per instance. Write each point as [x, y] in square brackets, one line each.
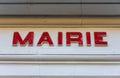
[88, 38]
[74, 37]
[71, 37]
[17, 38]
[45, 38]
[98, 38]
[60, 38]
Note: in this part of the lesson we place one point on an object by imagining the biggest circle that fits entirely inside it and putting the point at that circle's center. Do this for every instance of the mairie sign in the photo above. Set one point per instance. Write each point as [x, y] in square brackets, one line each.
[59, 41]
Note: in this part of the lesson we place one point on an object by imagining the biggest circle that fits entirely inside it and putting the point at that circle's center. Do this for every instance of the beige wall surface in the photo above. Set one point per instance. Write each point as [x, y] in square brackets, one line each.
[60, 22]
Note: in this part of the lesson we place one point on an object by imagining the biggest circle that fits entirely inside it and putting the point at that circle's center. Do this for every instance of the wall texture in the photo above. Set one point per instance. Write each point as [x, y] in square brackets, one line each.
[62, 7]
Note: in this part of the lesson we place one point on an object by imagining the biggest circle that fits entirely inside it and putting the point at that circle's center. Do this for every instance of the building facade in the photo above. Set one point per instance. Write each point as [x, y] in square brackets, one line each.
[59, 39]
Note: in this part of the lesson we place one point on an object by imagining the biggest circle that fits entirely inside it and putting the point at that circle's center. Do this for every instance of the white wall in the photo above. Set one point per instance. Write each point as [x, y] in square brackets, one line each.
[61, 69]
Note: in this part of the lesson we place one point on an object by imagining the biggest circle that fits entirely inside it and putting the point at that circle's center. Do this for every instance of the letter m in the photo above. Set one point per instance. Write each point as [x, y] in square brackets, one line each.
[27, 40]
